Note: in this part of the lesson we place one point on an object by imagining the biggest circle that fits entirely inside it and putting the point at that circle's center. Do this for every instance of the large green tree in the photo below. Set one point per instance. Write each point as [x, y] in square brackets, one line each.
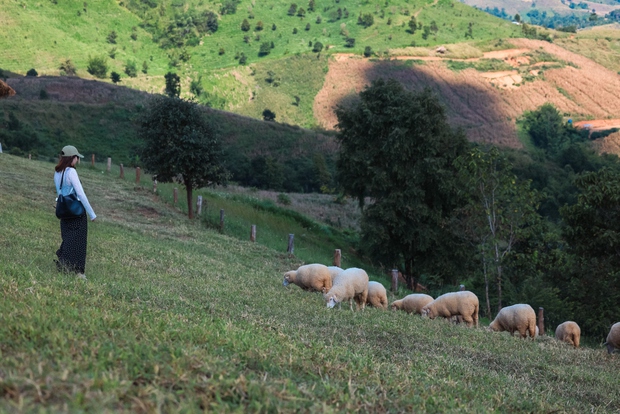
[179, 144]
[397, 149]
[592, 231]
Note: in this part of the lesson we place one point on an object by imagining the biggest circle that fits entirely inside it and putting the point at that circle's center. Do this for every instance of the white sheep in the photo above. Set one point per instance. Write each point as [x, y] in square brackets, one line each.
[377, 295]
[520, 317]
[313, 277]
[351, 284]
[334, 271]
[412, 303]
[463, 303]
[613, 339]
[568, 332]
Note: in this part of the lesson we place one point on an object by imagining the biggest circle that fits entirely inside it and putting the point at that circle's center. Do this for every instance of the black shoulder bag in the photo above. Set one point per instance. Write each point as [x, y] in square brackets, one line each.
[68, 206]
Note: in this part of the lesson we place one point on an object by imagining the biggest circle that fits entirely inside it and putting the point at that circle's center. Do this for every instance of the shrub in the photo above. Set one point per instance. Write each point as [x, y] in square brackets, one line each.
[349, 42]
[265, 49]
[284, 199]
[243, 59]
[295, 30]
[273, 27]
[67, 67]
[97, 66]
[318, 20]
[307, 27]
[259, 25]
[32, 72]
[43, 94]
[292, 10]
[130, 69]
[145, 67]
[115, 77]
[269, 115]
[221, 51]
[111, 38]
[318, 47]
[367, 51]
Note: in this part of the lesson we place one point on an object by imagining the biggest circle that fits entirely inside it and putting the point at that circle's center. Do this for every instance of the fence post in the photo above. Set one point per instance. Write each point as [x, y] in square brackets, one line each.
[337, 257]
[175, 194]
[137, 175]
[394, 280]
[92, 160]
[199, 205]
[122, 172]
[109, 164]
[541, 321]
[29, 156]
[253, 233]
[291, 244]
[222, 220]
[154, 185]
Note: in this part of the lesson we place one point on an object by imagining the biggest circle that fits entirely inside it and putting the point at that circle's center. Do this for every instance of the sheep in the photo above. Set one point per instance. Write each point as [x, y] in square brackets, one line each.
[351, 284]
[568, 332]
[613, 339]
[520, 317]
[334, 271]
[412, 303]
[377, 295]
[312, 277]
[463, 303]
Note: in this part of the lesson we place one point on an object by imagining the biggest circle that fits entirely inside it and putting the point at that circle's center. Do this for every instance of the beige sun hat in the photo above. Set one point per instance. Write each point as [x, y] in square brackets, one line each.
[70, 151]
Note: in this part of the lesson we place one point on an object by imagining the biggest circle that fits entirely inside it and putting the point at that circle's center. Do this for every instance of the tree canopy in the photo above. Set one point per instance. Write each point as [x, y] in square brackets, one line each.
[180, 145]
[397, 150]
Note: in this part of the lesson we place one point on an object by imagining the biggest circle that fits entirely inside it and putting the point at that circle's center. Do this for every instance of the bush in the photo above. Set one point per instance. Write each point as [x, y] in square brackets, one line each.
[265, 49]
[349, 42]
[145, 67]
[245, 25]
[284, 199]
[318, 47]
[43, 94]
[111, 38]
[68, 68]
[269, 115]
[115, 77]
[130, 69]
[32, 72]
[97, 66]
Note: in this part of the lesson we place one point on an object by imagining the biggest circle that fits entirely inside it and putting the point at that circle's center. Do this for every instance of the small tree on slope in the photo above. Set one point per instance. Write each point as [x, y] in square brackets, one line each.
[179, 144]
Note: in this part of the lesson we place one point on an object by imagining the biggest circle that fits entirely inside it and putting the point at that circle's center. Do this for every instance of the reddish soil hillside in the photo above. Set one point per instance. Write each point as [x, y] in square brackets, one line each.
[485, 104]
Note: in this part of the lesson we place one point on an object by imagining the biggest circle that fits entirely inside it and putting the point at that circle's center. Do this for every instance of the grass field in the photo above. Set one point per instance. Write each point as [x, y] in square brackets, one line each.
[176, 317]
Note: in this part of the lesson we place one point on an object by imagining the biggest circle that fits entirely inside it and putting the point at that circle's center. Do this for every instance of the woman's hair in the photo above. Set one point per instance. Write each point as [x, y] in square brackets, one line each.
[64, 162]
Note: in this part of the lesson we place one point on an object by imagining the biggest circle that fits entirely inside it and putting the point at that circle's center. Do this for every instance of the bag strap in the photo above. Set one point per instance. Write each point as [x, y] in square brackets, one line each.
[62, 179]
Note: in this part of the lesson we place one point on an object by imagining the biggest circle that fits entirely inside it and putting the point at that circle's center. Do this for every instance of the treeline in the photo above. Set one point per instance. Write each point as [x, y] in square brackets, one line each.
[565, 22]
[539, 227]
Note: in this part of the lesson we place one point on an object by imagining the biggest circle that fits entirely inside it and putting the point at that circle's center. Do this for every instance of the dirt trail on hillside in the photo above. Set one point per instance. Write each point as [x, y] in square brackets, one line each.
[485, 104]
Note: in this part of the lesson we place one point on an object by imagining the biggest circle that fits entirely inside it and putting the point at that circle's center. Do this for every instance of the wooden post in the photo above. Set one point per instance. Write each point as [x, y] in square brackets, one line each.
[291, 244]
[337, 257]
[253, 233]
[137, 175]
[199, 205]
[222, 221]
[394, 280]
[122, 172]
[541, 321]
[29, 156]
[155, 185]
[92, 160]
[175, 194]
[109, 164]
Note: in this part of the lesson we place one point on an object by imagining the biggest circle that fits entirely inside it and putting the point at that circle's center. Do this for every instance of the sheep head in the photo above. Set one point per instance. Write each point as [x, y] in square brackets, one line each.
[427, 312]
[332, 300]
[289, 277]
[397, 305]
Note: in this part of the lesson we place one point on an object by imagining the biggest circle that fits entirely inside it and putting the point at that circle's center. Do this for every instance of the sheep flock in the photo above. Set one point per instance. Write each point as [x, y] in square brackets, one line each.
[353, 285]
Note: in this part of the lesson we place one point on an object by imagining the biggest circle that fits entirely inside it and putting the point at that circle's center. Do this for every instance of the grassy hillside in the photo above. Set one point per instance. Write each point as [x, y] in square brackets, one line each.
[176, 317]
[45, 34]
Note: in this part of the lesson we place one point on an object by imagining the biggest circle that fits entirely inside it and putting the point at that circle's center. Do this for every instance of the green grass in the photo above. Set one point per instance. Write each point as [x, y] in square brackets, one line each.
[176, 317]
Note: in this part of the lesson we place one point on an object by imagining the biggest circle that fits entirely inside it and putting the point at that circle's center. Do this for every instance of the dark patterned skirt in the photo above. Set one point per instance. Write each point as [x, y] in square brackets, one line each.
[72, 251]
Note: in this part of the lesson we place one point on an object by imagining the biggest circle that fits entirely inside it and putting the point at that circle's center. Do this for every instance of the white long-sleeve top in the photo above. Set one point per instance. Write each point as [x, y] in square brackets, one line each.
[71, 183]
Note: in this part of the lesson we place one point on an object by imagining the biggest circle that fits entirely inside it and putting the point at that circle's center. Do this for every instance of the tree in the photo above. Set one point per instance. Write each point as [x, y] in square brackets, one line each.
[318, 47]
[301, 12]
[179, 144]
[592, 232]
[259, 26]
[349, 42]
[115, 77]
[518, 18]
[111, 38]
[498, 211]
[32, 72]
[265, 49]
[307, 27]
[269, 115]
[130, 69]
[173, 85]
[292, 10]
[413, 25]
[546, 128]
[397, 149]
[145, 67]
[97, 66]
[368, 51]
[311, 5]
[68, 68]
[245, 25]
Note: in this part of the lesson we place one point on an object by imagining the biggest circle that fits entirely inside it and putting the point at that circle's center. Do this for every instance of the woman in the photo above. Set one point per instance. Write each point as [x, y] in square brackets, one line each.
[74, 231]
